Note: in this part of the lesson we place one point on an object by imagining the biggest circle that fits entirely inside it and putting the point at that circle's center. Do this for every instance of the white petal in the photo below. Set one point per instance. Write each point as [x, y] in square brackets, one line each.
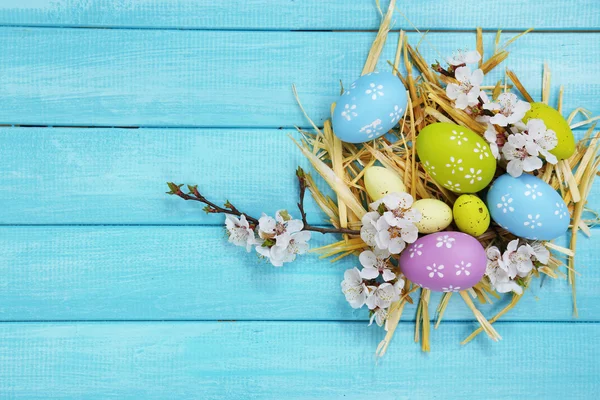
[396, 246]
[294, 225]
[453, 91]
[410, 233]
[462, 74]
[477, 78]
[531, 164]
[367, 259]
[369, 273]
[388, 275]
[514, 168]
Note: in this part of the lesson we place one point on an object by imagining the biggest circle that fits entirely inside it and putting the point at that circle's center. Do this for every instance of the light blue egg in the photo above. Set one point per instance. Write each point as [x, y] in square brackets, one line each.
[372, 105]
[528, 207]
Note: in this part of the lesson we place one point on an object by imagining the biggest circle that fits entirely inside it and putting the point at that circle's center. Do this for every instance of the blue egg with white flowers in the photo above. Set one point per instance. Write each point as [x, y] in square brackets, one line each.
[371, 106]
[528, 207]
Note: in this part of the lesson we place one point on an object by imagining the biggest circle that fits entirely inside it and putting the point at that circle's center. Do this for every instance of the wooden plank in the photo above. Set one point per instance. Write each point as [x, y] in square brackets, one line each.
[294, 15]
[119, 77]
[192, 273]
[117, 176]
[258, 360]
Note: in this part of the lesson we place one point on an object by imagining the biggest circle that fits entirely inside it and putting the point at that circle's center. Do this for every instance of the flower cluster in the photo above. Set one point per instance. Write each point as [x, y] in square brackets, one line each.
[521, 146]
[376, 284]
[387, 229]
[505, 270]
[279, 239]
[392, 224]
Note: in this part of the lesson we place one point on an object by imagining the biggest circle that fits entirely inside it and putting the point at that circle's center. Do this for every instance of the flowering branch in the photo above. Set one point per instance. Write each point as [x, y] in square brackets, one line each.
[195, 195]
[307, 227]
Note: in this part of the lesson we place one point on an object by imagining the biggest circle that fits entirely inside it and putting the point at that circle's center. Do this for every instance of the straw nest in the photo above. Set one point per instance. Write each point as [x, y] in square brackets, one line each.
[342, 166]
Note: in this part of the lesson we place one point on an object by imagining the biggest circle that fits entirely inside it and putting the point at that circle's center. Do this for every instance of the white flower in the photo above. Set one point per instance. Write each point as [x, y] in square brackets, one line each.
[516, 260]
[539, 252]
[444, 240]
[459, 137]
[398, 208]
[297, 245]
[467, 92]
[376, 263]
[510, 109]
[435, 269]
[491, 136]
[519, 159]
[395, 227]
[451, 288]
[497, 275]
[379, 315]
[455, 187]
[482, 150]
[532, 190]
[239, 231]
[368, 230]
[505, 203]
[287, 235]
[462, 57]
[454, 165]
[353, 288]
[394, 238]
[348, 111]
[473, 175]
[415, 250]
[382, 296]
[561, 210]
[541, 140]
[280, 228]
[396, 114]
[374, 91]
[463, 268]
[533, 221]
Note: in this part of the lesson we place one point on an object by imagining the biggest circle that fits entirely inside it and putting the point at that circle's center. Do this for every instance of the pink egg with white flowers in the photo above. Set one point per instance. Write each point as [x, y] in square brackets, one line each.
[444, 261]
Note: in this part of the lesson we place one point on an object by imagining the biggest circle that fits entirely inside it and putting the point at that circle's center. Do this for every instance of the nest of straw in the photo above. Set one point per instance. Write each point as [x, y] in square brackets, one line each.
[342, 166]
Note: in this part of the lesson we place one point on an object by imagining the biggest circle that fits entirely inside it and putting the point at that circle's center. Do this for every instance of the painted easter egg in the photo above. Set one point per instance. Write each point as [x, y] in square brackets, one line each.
[371, 106]
[528, 207]
[380, 181]
[435, 215]
[456, 157]
[471, 215]
[444, 261]
[555, 121]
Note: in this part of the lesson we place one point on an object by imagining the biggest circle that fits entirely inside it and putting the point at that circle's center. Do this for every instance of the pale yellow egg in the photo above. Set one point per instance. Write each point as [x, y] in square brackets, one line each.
[380, 181]
[435, 215]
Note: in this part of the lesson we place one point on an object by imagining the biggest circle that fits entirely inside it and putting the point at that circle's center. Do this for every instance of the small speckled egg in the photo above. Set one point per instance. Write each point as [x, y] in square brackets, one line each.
[555, 121]
[371, 106]
[456, 157]
[471, 215]
[435, 215]
[380, 181]
[528, 207]
[444, 261]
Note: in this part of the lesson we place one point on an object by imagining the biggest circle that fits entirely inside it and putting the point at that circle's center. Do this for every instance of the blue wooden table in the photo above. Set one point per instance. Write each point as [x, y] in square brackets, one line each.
[111, 289]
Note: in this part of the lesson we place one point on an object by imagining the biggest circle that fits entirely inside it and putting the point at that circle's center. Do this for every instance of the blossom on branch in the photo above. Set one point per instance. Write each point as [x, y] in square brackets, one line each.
[508, 109]
[466, 93]
[239, 231]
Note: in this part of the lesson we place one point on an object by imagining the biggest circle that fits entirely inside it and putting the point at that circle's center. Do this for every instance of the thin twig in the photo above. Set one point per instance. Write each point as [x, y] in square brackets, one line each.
[307, 227]
[195, 195]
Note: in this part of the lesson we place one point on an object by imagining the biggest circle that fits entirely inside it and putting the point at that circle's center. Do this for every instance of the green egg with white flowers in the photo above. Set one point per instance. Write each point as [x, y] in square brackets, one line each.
[556, 122]
[456, 157]
[471, 216]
